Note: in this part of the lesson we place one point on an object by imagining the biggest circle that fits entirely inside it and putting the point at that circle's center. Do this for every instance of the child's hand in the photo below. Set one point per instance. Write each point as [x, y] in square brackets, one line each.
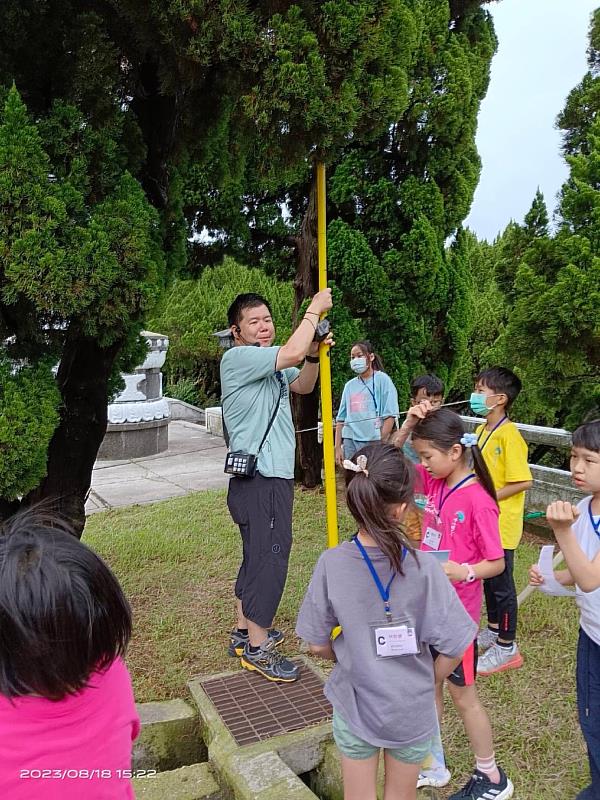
[535, 576]
[561, 515]
[454, 571]
[417, 412]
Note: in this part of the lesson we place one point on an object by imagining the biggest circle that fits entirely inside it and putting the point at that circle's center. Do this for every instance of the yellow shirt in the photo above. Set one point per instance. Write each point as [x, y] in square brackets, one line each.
[505, 454]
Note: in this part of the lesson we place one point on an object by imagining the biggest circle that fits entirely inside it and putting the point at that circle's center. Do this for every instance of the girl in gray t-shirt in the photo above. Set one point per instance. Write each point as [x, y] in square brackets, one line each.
[391, 602]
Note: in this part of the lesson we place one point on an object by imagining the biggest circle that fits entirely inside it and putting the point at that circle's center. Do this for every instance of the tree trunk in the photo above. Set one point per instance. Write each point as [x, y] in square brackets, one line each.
[82, 378]
[309, 455]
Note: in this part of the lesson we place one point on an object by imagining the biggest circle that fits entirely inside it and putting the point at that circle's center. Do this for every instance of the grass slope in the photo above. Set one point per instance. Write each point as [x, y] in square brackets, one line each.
[177, 562]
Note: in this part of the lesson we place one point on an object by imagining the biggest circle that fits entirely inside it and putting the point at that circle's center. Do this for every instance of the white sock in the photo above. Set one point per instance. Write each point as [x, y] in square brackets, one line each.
[488, 767]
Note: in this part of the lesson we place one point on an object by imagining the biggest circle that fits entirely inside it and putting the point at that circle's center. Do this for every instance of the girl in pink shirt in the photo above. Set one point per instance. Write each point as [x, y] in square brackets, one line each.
[461, 517]
[67, 714]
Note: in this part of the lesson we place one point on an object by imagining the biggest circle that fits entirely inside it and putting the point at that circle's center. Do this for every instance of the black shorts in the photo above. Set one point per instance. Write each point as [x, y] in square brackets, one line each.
[262, 507]
[466, 672]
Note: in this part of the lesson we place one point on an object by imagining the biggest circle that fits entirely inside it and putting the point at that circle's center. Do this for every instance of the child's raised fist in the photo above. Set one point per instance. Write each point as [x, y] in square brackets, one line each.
[561, 515]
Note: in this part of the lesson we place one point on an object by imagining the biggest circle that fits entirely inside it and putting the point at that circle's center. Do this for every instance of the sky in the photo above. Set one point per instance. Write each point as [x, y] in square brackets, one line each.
[541, 57]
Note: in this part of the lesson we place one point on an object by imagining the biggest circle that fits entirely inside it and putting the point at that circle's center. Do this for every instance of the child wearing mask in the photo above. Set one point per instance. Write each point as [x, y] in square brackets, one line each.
[505, 453]
[369, 405]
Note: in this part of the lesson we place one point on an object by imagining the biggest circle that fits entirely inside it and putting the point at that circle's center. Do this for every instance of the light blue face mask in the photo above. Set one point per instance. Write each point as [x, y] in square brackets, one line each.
[478, 404]
[358, 365]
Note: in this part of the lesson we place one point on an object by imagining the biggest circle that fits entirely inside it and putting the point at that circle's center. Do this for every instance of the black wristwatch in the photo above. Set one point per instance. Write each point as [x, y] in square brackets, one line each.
[312, 359]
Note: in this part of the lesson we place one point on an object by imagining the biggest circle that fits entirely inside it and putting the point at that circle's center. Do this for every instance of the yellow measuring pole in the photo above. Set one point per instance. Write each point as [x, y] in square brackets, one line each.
[325, 366]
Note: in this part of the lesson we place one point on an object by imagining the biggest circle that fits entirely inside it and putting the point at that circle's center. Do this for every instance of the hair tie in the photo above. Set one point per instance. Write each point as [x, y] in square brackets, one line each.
[360, 466]
[469, 439]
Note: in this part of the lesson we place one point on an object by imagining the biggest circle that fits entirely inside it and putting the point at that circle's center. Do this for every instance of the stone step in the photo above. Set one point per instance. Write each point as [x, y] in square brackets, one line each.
[170, 736]
[195, 782]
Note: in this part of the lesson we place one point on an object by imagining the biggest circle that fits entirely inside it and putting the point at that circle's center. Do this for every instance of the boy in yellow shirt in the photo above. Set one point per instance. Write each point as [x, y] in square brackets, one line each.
[505, 453]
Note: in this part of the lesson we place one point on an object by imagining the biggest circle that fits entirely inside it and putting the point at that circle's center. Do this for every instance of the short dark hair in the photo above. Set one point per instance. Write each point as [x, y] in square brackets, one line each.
[390, 480]
[501, 380]
[63, 614]
[588, 436]
[241, 303]
[431, 383]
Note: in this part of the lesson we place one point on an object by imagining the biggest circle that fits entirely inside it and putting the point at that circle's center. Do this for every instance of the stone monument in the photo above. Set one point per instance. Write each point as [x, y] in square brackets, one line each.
[138, 418]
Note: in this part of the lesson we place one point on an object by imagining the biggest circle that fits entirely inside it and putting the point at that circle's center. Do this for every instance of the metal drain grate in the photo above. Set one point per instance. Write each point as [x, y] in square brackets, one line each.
[254, 709]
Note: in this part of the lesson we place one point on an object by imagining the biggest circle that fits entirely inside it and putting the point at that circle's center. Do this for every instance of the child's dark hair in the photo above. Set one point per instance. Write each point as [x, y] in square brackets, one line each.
[588, 436]
[502, 381]
[390, 480]
[367, 349]
[62, 611]
[241, 303]
[431, 383]
[443, 428]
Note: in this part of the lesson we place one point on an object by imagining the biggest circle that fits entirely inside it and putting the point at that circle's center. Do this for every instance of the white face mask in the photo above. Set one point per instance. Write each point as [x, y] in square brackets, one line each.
[358, 365]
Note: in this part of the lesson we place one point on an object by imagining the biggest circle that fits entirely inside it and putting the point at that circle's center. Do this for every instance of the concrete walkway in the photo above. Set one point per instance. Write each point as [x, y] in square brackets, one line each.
[194, 461]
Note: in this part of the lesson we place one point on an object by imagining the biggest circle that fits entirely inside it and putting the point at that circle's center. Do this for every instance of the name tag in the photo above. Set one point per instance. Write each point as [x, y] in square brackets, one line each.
[432, 538]
[378, 423]
[395, 640]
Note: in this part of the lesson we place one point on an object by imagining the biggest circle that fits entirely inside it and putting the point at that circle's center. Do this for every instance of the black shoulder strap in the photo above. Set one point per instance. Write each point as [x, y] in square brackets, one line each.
[271, 421]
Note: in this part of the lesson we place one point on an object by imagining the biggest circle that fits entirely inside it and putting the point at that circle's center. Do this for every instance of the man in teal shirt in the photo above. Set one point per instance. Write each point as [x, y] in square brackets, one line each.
[255, 375]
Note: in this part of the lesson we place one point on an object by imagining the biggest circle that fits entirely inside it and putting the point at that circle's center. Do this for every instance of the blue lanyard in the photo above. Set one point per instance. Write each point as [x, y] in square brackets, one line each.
[442, 500]
[371, 391]
[496, 426]
[595, 525]
[384, 593]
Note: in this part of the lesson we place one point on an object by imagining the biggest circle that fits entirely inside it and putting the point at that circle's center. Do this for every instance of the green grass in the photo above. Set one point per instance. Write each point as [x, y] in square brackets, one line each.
[177, 562]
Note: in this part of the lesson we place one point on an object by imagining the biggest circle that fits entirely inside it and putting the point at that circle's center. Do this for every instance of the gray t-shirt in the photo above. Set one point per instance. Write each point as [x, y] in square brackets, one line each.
[250, 385]
[388, 702]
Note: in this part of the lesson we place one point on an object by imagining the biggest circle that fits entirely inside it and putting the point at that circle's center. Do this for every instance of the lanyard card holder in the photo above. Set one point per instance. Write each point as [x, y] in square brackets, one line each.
[394, 638]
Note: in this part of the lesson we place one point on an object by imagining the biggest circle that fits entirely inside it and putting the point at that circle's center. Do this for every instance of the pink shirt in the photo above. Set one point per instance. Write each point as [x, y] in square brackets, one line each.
[468, 522]
[49, 749]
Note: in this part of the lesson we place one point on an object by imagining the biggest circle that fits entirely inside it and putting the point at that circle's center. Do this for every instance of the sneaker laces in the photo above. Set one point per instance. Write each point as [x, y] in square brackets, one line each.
[277, 658]
[470, 785]
[270, 655]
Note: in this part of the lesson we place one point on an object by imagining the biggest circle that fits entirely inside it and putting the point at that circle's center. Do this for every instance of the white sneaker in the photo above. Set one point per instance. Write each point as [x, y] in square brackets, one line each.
[486, 639]
[498, 659]
[434, 777]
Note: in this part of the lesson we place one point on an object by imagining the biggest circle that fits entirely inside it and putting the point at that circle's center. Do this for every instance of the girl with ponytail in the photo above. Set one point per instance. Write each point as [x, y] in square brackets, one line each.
[387, 598]
[460, 522]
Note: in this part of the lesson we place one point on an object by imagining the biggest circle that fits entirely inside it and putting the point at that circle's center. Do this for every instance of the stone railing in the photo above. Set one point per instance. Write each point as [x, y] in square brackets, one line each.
[548, 483]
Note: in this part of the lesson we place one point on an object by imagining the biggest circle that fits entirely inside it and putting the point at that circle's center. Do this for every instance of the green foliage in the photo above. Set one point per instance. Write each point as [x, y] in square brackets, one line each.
[184, 389]
[194, 309]
[551, 283]
[151, 121]
[396, 193]
[29, 402]
[406, 194]
[101, 264]
[67, 263]
[488, 311]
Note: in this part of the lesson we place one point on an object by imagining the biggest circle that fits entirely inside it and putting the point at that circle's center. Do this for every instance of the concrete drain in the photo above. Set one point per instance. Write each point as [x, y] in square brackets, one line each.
[254, 709]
